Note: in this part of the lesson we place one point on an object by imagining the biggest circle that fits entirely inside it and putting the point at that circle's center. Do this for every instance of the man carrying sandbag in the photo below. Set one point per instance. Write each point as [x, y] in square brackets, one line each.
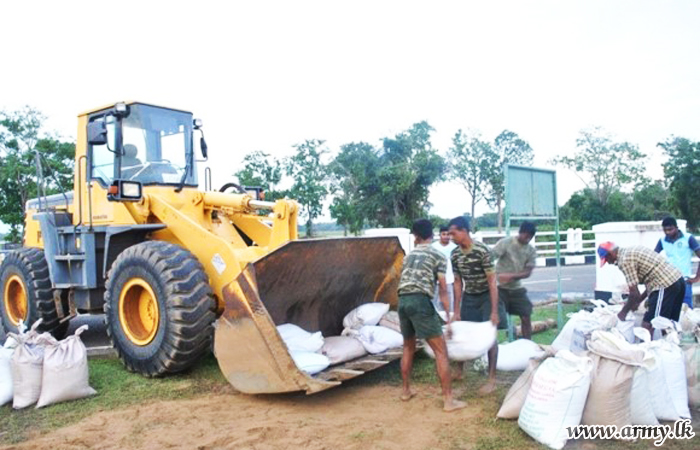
[418, 318]
[664, 284]
[476, 294]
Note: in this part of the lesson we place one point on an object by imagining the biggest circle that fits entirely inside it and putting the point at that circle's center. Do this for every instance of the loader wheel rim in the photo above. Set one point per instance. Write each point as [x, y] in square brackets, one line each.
[139, 314]
[15, 295]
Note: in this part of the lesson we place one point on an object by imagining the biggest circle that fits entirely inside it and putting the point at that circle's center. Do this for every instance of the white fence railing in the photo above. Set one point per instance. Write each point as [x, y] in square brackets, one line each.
[573, 241]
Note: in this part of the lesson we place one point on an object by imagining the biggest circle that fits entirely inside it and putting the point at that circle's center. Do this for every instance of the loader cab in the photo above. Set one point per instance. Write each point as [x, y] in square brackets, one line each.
[141, 143]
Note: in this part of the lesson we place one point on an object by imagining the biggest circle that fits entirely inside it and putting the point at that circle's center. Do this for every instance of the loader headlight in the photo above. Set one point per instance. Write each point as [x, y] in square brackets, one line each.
[197, 124]
[131, 190]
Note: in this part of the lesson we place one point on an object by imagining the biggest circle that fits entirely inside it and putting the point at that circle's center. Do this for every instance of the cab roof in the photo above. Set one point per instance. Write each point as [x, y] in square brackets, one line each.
[129, 102]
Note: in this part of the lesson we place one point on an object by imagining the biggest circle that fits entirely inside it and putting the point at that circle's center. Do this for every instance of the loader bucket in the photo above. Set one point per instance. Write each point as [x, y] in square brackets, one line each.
[309, 283]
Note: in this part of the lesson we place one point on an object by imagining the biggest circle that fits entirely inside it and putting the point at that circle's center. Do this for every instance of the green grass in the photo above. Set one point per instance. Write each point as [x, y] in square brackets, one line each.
[116, 388]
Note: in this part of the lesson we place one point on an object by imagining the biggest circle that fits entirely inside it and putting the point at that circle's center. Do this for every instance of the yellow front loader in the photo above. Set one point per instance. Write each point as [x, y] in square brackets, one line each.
[174, 267]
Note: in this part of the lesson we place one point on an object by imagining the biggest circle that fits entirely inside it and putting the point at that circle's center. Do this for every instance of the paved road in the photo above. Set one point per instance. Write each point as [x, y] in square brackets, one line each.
[577, 282]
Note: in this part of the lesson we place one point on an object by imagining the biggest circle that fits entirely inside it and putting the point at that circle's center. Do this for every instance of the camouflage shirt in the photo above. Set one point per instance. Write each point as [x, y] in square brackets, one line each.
[512, 257]
[420, 270]
[471, 266]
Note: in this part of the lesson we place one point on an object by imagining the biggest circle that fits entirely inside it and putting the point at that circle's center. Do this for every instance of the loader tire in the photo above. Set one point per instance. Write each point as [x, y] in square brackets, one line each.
[159, 308]
[27, 294]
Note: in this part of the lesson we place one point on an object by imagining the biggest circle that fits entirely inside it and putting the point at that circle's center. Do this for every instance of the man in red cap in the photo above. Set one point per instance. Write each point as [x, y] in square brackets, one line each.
[664, 283]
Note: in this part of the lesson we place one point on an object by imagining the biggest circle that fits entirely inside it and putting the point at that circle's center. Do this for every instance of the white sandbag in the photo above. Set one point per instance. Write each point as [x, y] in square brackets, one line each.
[556, 398]
[367, 314]
[691, 352]
[517, 354]
[27, 364]
[626, 328]
[667, 381]
[515, 398]
[376, 339]
[299, 340]
[565, 336]
[339, 349]
[391, 320]
[469, 340]
[310, 362]
[6, 388]
[65, 373]
[641, 408]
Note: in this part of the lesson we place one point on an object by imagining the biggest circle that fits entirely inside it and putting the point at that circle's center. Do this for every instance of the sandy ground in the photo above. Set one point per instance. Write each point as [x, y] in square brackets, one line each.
[351, 417]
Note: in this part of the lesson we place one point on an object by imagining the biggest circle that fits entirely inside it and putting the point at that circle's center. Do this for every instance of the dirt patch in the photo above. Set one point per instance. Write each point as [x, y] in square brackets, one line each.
[344, 418]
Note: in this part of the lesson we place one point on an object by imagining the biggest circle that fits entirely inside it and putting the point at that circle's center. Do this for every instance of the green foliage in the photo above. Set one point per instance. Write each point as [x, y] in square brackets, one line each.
[353, 175]
[682, 172]
[21, 138]
[388, 186]
[309, 175]
[261, 169]
[650, 201]
[604, 165]
[473, 163]
[407, 167]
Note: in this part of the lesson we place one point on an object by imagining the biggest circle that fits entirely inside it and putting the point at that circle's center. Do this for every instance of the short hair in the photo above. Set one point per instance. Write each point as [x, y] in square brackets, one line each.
[422, 228]
[444, 228]
[669, 222]
[460, 222]
[528, 227]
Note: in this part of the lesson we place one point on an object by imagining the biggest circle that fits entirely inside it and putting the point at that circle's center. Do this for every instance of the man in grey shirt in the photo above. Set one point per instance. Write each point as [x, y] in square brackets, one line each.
[516, 259]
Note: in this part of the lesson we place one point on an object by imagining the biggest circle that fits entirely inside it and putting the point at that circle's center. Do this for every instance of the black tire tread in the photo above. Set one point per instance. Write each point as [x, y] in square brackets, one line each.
[190, 308]
[35, 262]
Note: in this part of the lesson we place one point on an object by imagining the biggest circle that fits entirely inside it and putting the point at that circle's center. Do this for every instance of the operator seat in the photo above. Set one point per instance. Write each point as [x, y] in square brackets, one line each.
[129, 158]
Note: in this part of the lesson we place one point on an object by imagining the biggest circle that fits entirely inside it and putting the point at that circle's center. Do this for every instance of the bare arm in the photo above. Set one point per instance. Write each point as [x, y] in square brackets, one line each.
[508, 277]
[493, 291]
[457, 287]
[697, 274]
[444, 299]
[633, 302]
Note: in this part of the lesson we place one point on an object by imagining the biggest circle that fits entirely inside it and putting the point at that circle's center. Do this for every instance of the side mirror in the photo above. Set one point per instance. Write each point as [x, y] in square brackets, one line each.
[97, 132]
[203, 146]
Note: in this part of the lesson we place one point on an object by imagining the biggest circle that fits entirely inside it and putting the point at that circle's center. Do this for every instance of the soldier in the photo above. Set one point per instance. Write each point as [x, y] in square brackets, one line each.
[422, 268]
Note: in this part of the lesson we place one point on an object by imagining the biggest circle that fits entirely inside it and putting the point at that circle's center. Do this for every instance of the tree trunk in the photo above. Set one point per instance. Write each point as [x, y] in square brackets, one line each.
[473, 219]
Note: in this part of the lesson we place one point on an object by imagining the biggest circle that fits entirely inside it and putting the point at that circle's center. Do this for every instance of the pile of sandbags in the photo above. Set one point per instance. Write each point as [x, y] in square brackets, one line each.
[581, 325]
[304, 348]
[614, 382]
[468, 340]
[43, 370]
[690, 337]
[369, 328]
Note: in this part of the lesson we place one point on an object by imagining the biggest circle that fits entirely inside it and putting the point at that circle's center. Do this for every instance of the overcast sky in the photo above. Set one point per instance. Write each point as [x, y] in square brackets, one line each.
[267, 75]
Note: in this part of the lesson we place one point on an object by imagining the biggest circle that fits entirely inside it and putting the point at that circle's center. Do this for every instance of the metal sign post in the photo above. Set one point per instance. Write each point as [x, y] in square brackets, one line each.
[531, 194]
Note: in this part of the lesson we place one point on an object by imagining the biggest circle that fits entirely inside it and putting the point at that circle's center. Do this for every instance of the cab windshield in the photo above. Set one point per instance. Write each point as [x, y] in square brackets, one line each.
[156, 146]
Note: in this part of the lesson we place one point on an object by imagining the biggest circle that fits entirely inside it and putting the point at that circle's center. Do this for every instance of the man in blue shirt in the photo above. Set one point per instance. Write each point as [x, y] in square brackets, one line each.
[679, 249]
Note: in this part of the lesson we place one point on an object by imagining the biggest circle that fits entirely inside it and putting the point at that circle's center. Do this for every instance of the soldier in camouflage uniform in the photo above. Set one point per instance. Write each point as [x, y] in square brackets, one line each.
[476, 294]
[421, 269]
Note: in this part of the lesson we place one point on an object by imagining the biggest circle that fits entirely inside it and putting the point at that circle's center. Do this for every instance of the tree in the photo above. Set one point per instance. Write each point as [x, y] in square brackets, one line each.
[473, 164]
[510, 149]
[407, 167]
[682, 171]
[309, 175]
[22, 138]
[353, 173]
[603, 165]
[261, 169]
